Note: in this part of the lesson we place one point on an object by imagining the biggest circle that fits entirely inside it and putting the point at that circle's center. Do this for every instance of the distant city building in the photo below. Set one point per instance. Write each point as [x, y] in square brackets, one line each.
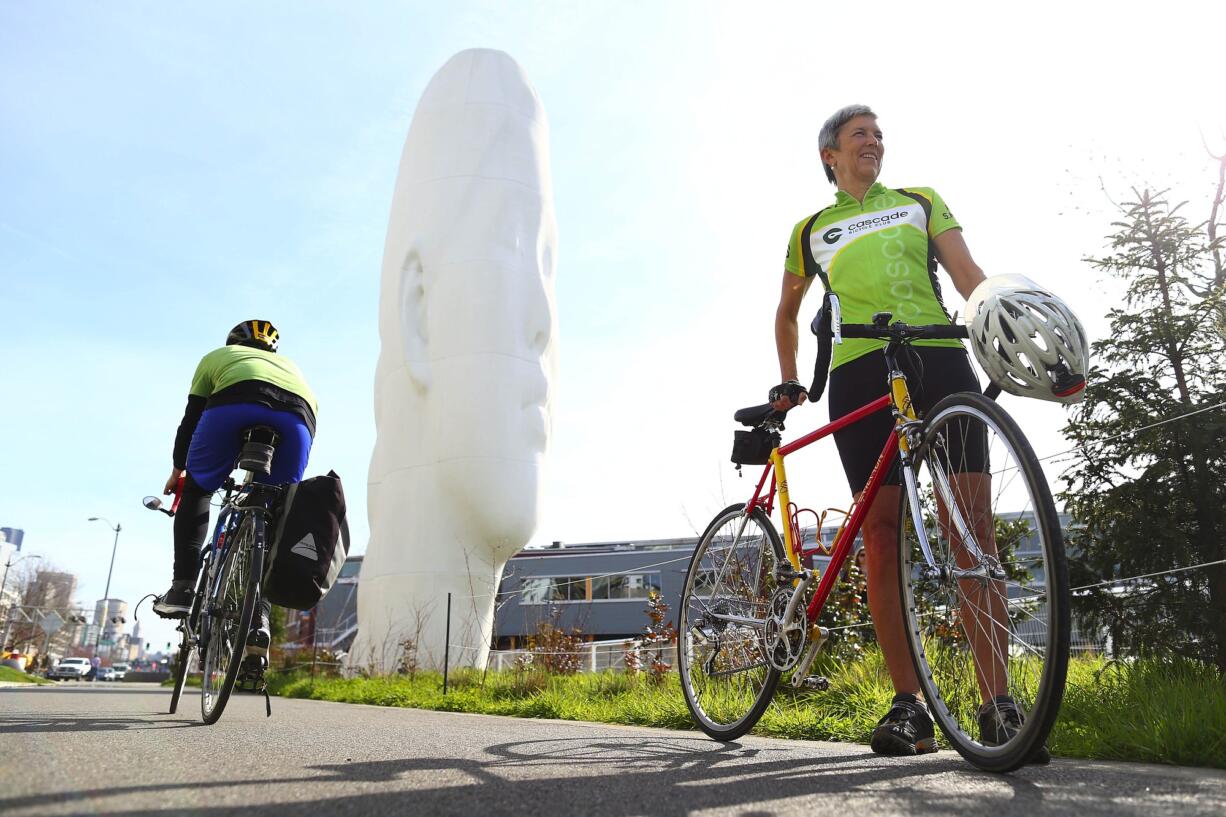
[111, 615]
[137, 650]
[52, 588]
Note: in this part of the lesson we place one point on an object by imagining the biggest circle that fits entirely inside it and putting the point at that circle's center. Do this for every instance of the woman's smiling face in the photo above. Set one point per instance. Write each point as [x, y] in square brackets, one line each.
[859, 152]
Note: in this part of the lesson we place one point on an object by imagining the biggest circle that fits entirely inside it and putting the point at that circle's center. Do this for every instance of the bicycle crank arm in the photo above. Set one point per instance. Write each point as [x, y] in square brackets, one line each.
[800, 676]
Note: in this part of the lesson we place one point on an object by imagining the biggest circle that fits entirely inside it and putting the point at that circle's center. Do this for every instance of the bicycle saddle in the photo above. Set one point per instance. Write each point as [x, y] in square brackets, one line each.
[754, 416]
[259, 442]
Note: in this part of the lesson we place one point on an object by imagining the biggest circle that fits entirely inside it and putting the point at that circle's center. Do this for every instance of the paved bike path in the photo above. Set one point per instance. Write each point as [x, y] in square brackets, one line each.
[111, 749]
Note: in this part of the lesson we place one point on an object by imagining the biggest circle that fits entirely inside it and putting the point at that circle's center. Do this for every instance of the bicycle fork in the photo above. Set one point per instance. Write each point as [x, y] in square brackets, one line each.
[987, 568]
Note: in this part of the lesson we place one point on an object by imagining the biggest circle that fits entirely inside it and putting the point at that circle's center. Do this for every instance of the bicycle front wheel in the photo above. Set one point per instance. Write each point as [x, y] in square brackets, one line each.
[187, 641]
[726, 674]
[230, 609]
[987, 613]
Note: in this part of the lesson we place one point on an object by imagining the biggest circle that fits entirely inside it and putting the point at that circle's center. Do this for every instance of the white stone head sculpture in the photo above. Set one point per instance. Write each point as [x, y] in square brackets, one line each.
[467, 360]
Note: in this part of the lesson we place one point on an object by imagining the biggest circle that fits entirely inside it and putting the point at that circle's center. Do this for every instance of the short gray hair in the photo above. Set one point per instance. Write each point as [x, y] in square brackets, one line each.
[829, 136]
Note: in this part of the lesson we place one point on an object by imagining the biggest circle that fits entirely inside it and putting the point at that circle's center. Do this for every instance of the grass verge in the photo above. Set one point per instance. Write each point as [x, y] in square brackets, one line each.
[16, 676]
[1158, 711]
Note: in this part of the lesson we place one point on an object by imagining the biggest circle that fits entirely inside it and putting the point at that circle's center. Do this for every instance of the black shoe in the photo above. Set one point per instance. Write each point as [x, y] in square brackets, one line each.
[251, 673]
[905, 730]
[258, 640]
[174, 603]
[999, 720]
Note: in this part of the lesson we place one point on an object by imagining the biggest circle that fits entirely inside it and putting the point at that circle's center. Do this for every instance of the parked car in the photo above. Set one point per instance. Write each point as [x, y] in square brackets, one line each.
[69, 668]
[106, 673]
[121, 669]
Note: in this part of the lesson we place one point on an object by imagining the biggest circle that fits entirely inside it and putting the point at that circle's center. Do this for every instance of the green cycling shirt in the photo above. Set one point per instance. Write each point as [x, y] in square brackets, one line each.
[243, 374]
[225, 367]
[877, 256]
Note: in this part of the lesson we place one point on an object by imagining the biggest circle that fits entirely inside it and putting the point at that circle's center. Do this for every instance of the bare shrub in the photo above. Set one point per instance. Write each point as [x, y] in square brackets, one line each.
[658, 635]
[556, 649]
[632, 659]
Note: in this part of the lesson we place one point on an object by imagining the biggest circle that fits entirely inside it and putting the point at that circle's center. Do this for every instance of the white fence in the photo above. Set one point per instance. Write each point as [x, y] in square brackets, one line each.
[594, 656]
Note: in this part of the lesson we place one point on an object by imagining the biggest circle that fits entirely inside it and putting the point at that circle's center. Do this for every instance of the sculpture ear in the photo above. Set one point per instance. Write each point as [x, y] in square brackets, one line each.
[414, 336]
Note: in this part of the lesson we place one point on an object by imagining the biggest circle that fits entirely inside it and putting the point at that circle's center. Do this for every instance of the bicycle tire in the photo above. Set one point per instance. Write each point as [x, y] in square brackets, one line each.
[951, 620]
[186, 647]
[246, 553]
[749, 588]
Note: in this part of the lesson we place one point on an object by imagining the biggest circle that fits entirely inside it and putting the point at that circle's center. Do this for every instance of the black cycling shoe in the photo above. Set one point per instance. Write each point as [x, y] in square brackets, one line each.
[257, 642]
[905, 730]
[251, 673]
[174, 603]
[999, 721]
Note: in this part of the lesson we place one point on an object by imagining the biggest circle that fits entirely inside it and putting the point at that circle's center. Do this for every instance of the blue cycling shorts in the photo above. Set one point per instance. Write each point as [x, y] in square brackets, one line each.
[218, 439]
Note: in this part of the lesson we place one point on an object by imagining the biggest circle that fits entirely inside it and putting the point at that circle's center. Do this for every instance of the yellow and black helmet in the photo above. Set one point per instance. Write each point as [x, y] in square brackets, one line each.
[258, 334]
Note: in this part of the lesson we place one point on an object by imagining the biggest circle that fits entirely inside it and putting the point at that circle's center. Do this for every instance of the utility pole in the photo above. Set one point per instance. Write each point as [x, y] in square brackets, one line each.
[8, 611]
[106, 596]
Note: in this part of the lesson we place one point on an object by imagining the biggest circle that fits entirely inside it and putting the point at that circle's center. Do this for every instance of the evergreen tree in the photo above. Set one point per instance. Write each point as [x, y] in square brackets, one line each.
[1148, 498]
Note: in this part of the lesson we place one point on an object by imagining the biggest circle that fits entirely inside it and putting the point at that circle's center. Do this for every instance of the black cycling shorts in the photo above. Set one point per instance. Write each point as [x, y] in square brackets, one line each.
[932, 374]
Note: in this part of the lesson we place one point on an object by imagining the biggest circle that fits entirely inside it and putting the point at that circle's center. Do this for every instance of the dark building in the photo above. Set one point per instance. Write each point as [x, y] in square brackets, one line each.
[598, 588]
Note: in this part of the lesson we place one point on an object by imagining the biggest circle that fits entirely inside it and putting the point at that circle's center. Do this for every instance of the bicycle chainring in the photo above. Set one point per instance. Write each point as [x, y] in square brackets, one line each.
[785, 640]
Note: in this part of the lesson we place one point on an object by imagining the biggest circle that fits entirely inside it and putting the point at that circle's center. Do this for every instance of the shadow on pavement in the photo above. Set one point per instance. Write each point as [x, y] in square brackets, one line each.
[619, 776]
[71, 723]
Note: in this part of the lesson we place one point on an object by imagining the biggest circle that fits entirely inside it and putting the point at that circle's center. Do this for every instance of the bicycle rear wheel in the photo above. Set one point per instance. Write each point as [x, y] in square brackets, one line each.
[230, 610]
[988, 619]
[725, 670]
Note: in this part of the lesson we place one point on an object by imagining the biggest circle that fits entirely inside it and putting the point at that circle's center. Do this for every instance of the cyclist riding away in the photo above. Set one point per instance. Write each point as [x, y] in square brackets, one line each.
[877, 249]
[242, 384]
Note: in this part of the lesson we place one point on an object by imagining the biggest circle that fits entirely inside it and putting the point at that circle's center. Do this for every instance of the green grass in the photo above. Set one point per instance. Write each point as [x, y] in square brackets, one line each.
[1160, 711]
[12, 675]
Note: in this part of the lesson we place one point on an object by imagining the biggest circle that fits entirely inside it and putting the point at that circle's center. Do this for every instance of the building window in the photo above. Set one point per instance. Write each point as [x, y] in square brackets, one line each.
[552, 589]
[558, 589]
[626, 586]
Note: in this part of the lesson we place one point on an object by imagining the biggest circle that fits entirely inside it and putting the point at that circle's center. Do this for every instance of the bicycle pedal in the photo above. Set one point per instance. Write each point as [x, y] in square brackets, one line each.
[818, 683]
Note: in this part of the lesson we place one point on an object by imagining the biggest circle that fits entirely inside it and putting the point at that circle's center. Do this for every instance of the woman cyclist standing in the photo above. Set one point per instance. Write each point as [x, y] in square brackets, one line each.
[877, 248]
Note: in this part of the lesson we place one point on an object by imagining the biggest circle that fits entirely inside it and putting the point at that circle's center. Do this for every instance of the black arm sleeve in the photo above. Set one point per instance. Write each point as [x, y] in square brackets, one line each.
[183, 439]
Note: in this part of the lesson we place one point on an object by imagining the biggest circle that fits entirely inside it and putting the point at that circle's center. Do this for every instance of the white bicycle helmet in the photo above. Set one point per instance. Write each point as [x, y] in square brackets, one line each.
[1027, 340]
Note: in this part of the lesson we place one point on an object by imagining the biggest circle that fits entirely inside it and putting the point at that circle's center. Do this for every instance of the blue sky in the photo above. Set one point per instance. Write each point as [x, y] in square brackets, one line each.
[168, 170]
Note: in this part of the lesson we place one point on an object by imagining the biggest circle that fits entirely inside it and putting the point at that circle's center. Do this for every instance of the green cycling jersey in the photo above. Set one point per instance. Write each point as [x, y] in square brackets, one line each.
[877, 256]
[233, 364]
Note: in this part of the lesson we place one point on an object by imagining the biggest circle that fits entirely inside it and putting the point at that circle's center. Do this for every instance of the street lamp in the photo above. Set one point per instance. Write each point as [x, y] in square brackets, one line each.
[8, 612]
[107, 593]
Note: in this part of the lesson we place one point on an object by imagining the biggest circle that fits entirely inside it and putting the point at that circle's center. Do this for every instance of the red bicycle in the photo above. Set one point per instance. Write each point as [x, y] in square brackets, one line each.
[982, 572]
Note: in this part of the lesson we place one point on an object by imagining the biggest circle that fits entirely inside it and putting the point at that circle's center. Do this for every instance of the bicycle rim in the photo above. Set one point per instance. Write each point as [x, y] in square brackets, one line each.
[725, 675]
[992, 619]
[230, 611]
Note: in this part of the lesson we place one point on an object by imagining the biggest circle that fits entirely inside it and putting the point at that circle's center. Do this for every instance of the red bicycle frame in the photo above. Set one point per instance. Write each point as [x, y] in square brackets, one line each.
[847, 535]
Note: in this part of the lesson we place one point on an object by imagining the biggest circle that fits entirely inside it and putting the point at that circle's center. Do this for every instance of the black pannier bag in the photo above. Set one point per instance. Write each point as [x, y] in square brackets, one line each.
[309, 545]
[754, 447]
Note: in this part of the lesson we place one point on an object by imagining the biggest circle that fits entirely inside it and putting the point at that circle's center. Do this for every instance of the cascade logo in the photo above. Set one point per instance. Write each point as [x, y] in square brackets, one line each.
[832, 235]
[306, 547]
[876, 221]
